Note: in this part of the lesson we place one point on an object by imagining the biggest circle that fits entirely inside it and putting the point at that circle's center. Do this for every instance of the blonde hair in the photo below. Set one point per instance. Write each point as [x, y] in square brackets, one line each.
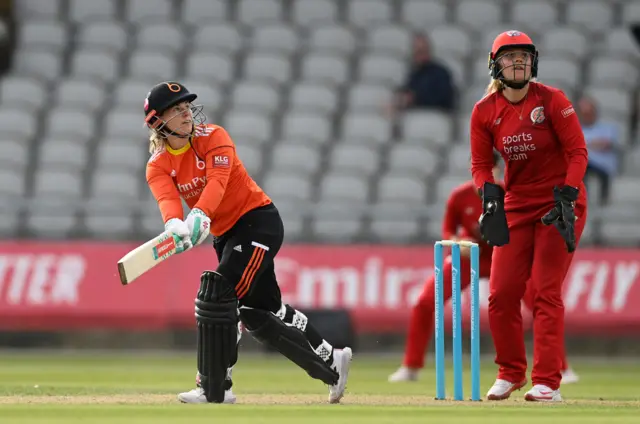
[495, 86]
[156, 141]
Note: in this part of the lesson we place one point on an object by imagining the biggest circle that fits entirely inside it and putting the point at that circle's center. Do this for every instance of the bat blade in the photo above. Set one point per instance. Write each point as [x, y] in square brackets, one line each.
[145, 257]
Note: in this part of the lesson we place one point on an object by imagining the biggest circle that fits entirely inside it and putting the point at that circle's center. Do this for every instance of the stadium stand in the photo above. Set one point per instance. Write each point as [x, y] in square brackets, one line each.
[300, 85]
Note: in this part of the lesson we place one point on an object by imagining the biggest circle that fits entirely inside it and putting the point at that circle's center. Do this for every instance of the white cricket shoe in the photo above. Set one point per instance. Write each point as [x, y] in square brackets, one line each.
[197, 396]
[341, 363]
[542, 393]
[404, 374]
[569, 376]
[502, 389]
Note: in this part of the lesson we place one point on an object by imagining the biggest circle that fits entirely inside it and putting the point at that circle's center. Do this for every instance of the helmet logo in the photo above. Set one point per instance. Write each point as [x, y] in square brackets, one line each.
[175, 88]
[513, 33]
[146, 104]
[537, 115]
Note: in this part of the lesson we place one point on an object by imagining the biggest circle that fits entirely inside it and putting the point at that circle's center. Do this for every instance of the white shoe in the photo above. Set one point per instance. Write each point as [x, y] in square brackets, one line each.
[502, 389]
[197, 396]
[404, 374]
[541, 393]
[569, 376]
[341, 363]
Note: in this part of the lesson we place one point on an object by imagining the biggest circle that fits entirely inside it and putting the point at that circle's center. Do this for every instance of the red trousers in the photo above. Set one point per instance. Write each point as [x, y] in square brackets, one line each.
[422, 313]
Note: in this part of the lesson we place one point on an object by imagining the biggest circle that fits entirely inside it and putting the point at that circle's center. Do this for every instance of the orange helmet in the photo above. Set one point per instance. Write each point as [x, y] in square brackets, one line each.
[508, 39]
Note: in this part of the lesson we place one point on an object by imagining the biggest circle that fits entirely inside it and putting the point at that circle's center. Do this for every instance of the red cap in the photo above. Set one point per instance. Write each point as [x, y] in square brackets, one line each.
[511, 38]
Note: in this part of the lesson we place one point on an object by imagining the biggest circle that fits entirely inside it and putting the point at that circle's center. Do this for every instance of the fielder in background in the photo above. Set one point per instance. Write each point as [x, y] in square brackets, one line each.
[463, 209]
[536, 220]
[198, 163]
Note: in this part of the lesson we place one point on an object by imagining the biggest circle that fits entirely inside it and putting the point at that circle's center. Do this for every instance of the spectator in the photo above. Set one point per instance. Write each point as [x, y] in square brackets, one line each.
[429, 84]
[602, 143]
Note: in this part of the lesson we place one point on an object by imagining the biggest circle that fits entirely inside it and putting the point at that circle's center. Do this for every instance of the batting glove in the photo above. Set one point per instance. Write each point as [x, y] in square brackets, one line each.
[181, 234]
[199, 226]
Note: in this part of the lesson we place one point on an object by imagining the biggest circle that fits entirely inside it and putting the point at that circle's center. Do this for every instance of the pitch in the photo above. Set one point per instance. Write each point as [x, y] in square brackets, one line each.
[142, 387]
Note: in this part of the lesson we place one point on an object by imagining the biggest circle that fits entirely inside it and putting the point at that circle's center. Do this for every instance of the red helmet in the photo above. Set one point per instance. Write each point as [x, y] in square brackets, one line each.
[508, 39]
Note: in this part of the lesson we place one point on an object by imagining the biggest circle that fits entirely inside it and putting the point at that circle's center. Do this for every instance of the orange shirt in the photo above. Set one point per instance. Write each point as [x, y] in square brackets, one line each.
[208, 175]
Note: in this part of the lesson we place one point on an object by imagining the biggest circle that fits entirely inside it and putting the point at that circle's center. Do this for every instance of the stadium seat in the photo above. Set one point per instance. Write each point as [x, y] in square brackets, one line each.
[217, 67]
[332, 39]
[45, 34]
[13, 182]
[58, 182]
[366, 128]
[14, 153]
[89, 11]
[630, 12]
[17, 122]
[612, 101]
[420, 14]
[198, 11]
[307, 13]
[125, 124]
[540, 14]
[210, 95]
[248, 126]
[25, 92]
[445, 185]
[625, 190]
[564, 42]
[620, 42]
[395, 230]
[293, 220]
[560, 69]
[277, 37]
[255, 95]
[359, 159]
[296, 158]
[478, 14]
[110, 183]
[401, 189]
[306, 126]
[9, 224]
[621, 234]
[102, 35]
[458, 68]
[459, 161]
[109, 225]
[137, 11]
[367, 13]
[127, 155]
[337, 230]
[382, 69]
[253, 12]
[99, 64]
[595, 16]
[428, 126]
[37, 9]
[217, 38]
[451, 40]
[336, 186]
[61, 153]
[325, 68]
[52, 225]
[74, 123]
[412, 161]
[267, 67]
[389, 39]
[251, 157]
[160, 36]
[38, 63]
[631, 161]
[366, 97]
[612, 72]
[150, 65]
[287, 186]
[80, 93]
[313, 97]
[131, 93]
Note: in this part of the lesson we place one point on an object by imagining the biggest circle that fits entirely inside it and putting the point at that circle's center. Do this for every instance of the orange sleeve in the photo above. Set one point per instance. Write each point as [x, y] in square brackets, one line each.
[219, 160]
[450, 221]
[165, 193]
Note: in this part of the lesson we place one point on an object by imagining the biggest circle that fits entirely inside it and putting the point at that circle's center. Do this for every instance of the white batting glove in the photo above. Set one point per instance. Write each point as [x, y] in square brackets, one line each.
[199, 226]
[181, 234]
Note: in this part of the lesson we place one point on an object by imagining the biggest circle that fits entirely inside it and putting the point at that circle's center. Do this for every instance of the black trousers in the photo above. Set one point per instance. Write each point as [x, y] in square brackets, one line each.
[246, 253]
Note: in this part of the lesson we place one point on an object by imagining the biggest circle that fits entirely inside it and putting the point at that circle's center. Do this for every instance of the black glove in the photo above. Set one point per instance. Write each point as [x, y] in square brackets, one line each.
[563, 215]
[493, 221]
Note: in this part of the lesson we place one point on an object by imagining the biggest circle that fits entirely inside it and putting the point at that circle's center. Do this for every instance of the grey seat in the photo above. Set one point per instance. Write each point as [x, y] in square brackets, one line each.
[50, 35]
[17, 123]
[366, 97]
[621, 234]
[276, 37]
[540, 14]
[14, 153]
[429, 126]
[90, 63]
[253, 12]
[248, 127]
[297, 158]
[560, 69]
[307, 13]
[129, 92]
[368, 13]
[392, 230]
[74, 123]
[255, 95]
[82, 11]
[307, 126]
[44, 9]
[287, 186]
[359, 159]
[332, 39]
[137, 11]
[337, 230]
[382, 69]
[325, 68]
[593, 15]
[453, 40]
[620, 41]
[209, 66]
[268, 67]
[251, 158]
[343, 187]
[125, 125]
[127, 155]
[625, 190]
[110, 226]
[52, 225]
[13, 183]
[159, 66]
[198, 11]
[61, 153]
[365, 128]
[57, 182]
[102, 35]
[313, 97]
[23, 91]
[420, 14]
[445, 186]
[609, 71]
[459, 162]
[217, 38]
[293, 219]
[401, 189]
[160, 36]
[612, 101]
[412, 161]
[43, 64]
[478, 14]
[114, 183]
[9, 223]
[565, 41]
[389, 39]
[80, 93]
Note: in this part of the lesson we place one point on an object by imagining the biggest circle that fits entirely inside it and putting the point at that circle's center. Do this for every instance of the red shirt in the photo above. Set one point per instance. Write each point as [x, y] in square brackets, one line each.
[542, 144]
[463, 210]
[208, 175]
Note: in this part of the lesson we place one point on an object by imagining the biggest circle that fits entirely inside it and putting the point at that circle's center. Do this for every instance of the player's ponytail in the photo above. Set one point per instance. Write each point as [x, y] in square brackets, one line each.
[156, 141]
[495, 86]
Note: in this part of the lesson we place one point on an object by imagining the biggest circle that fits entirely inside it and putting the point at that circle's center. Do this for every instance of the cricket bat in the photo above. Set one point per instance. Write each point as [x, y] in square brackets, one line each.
[144, 257]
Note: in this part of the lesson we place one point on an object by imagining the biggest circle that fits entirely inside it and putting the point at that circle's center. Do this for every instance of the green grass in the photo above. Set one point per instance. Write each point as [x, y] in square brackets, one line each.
[139, 388]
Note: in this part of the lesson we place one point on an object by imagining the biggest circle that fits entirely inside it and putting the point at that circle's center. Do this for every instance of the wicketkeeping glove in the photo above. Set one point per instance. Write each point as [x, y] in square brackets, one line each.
[493, 221]
[199, 226]
[563, 215]
[180, 232]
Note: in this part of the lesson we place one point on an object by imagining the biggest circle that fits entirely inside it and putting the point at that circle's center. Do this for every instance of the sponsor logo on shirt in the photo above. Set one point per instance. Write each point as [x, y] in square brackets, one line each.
[221, 161]
[568, 111]
[517, 146]
[192, 188]
[537, 115]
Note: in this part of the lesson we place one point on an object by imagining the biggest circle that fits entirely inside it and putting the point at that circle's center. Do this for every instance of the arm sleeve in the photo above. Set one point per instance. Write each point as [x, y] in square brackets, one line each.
[450, 221]
[219, 159]
[165, 192]
[481, 151]
[567, 127]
